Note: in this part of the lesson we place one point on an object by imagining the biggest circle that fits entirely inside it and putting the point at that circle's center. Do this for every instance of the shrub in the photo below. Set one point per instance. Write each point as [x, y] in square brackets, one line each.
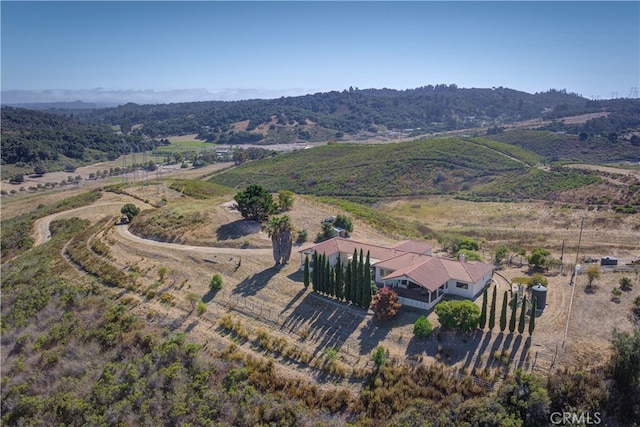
[345, 222]
[625, 284]
[130, 210]
[422, 328]
[162, 272]
[201, 308]
[615, 294]
[461, 315]
[593, 274]
[379, 356]
[302, 236]
[216, 283]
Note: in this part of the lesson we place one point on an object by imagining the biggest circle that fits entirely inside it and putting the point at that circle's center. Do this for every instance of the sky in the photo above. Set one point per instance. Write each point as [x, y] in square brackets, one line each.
[162, 51]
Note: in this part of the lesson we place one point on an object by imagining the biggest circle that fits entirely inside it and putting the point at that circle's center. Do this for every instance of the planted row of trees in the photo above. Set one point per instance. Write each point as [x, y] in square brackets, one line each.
[513, 318]
[466, 316]
[351, 282]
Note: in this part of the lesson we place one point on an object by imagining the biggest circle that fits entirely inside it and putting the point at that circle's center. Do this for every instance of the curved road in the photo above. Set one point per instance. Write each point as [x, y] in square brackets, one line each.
[42, 225]
[43, 234]
[123, 231]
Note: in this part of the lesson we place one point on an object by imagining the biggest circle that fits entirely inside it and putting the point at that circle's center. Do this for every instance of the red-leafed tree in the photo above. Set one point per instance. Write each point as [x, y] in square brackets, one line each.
[385, 304]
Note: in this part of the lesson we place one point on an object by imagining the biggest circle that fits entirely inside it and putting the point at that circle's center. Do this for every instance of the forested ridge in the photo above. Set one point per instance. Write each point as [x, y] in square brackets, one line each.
[35, 137]
[429, 108]
[58, 135]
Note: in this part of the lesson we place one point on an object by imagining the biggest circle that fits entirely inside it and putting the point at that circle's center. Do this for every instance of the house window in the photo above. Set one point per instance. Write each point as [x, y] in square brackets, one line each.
[461, 285]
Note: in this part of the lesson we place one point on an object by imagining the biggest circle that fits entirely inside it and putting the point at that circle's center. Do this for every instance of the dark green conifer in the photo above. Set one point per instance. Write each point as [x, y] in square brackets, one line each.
[523, 314]
[532, 318]
[512, 319]
[306, 272]
[503, 312]
[492, 311]
[482, 321]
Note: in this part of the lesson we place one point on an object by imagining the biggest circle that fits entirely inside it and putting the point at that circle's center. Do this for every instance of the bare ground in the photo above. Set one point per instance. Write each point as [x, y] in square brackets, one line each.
[264, 297]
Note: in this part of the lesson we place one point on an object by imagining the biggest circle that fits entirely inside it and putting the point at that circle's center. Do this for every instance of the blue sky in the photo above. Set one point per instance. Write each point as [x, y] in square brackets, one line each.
[238, 50]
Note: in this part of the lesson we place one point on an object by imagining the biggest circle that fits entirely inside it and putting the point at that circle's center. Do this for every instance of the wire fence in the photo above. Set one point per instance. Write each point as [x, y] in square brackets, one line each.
[351, 353]
[276, 321]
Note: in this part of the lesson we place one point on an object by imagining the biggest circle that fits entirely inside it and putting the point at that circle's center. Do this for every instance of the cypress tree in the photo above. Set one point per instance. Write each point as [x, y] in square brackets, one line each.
[360, 279]
[503, 313]
[482, 321]
[339, 279]
[366, 290]
[327, 276]
[314, 276]
[532, 318]
[523, 314]
[512, 319]
[306, 272]
[332, 281]
[492, 312]
[322, 275]
[354, 277]
[347, 283]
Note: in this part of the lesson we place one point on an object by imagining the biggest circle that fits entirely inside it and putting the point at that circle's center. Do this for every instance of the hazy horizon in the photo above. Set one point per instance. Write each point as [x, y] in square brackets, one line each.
[162, 52]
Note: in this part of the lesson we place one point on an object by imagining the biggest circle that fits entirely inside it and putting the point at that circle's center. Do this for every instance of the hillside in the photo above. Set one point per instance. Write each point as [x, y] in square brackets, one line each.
[433, 166]
[313, 117]
[561, 147]
[67, 136]
[103, 328]
[33, 138]
[474, 168]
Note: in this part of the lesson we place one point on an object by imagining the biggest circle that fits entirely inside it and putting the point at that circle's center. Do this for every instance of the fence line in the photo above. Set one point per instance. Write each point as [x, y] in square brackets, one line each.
[542, 363]
[272, 320]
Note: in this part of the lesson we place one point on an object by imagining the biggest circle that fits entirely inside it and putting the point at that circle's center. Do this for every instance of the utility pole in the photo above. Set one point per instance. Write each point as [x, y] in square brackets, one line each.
[573, 284]
[562, 258]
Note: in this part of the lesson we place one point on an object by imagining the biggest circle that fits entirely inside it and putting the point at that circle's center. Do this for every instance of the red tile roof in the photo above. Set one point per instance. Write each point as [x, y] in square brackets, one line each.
[407, 258]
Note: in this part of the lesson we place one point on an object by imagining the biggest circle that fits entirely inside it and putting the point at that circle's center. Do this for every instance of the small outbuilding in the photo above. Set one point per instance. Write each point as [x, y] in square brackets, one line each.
[608, 261]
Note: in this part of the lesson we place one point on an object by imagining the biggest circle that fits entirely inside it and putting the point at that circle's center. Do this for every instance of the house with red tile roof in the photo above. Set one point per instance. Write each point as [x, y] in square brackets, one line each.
[420, 279]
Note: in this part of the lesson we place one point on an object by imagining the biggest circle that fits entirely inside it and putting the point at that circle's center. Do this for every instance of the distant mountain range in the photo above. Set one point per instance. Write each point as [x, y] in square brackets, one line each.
[80, 131]
[100, 97]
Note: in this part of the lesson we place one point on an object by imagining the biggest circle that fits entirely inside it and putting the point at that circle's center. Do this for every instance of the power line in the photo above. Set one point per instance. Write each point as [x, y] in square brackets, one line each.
[574, 280]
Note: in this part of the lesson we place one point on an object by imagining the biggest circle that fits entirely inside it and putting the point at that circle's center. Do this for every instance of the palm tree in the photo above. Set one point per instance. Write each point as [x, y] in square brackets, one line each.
[282, 231]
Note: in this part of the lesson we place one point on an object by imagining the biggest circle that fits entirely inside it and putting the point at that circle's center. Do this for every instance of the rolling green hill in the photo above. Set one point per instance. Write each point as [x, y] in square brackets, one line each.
[432, 166]
[471, 168]
[554, 147]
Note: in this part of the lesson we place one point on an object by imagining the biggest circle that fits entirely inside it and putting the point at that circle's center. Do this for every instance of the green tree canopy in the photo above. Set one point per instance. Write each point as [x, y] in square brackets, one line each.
[538, 257]
[470, 255]
[344, 221]
[501, 253]
[285, 200]
[626, 358]
[255, 203]
[130, 210]
[461, 315]
[422, 327]
[593, 274]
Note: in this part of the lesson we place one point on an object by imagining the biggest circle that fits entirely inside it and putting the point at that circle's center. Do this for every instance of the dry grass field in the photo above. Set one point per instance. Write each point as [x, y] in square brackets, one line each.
[272, 301]
[264, 301]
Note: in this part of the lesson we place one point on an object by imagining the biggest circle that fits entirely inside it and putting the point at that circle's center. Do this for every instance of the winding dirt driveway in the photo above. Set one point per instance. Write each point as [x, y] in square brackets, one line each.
[100, 210]
[123, 231]
[42, 225]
